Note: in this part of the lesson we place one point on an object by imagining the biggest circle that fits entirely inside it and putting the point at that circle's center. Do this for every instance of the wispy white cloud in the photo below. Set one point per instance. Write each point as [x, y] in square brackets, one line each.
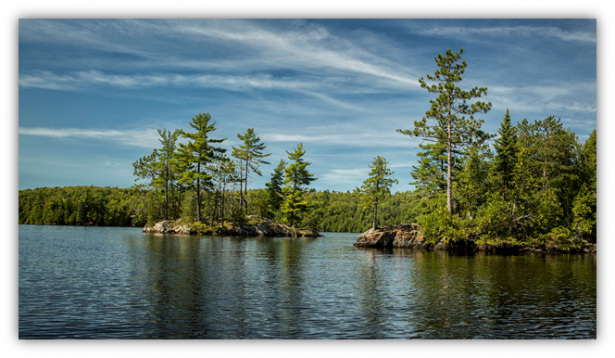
[379, 137]
[309, 86]
[147, 138]
[46, 79]
[312, 47]
[524, 31]
[400, 165]
[355, 175]
[305, 48]
[541, 98]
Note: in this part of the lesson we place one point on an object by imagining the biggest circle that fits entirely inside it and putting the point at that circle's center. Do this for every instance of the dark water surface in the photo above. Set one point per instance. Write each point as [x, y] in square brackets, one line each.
[78, 282]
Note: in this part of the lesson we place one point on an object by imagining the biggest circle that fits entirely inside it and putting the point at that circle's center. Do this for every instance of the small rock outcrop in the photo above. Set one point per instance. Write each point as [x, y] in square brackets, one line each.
[409, 236]
[255, 227]
[403, 235]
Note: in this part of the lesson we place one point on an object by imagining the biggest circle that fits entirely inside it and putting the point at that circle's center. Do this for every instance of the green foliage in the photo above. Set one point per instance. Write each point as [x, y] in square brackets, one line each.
[197, 154]
[506, 153]
[250, 153]
[274, 188]
[259, 199]
[561, 238]
[145, 169]
[238, 216]
[188, 207]
[165, 166]
[471, 185]
[296, 178]
[430, 173]
[81, 205]
[547, 199]
[584, 204]
[454, 129]
[377, 186]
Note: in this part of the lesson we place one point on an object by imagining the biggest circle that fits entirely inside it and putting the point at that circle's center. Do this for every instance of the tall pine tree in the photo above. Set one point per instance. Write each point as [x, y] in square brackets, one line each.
[165, 165]
[274, 187]
[251, 153]
[296, 178]
[197, 154]
[448, 112]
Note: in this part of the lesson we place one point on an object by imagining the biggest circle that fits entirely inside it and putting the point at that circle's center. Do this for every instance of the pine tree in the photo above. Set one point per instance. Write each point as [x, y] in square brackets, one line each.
[449, 111]
[429, 174]
[145, 169]
[197, 154]
[251, 153]
[274, 187]
[165, 165]
[471, 185]
[377, 186]
[296, 178]
[505, 153]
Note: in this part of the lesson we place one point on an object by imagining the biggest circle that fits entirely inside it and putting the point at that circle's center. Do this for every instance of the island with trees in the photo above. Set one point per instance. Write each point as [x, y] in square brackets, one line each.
[531, 187]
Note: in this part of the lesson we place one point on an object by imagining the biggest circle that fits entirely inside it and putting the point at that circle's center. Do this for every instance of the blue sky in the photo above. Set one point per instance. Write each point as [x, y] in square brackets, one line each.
[92, 93]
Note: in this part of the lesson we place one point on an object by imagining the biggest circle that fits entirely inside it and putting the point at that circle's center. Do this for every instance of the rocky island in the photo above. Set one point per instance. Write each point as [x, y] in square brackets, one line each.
[255, 226]
[409, 236]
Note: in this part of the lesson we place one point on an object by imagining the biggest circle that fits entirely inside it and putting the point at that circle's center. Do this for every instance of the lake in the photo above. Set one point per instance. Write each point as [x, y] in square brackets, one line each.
[103, 282]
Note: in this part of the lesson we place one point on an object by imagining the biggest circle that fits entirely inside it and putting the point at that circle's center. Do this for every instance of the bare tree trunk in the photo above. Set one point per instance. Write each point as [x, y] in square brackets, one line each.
[240, 185]
[166, 194]
[198, 193]
[449, 185]
[512, 215]
[213, 207]
[233, 202]
[223, 202]
[246, 191]
[375, 214]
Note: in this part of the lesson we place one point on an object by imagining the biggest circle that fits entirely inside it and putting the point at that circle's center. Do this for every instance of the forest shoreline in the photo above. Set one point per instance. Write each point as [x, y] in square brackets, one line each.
[409, 236]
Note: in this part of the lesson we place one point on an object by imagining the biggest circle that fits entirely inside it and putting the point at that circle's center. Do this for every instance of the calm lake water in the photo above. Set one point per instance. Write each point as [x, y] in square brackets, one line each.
[94, 282]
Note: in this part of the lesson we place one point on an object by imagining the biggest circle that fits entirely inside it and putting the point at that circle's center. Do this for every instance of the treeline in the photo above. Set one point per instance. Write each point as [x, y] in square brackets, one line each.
[83, 205]
[328, 211]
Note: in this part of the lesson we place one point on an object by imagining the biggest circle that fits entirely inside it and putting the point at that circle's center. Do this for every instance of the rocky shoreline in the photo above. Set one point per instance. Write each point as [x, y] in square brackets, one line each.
[409, 236]
[255, 227]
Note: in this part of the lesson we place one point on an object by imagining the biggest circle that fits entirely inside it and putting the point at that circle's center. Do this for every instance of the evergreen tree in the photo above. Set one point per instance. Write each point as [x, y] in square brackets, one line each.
[165, 165]
[377, 186]
[274, 187]
[296, 178]
[471, 186]
[251, 153]
[505, 153]
[145, 169]
[449, 111]
[429, 175]
[197, 154]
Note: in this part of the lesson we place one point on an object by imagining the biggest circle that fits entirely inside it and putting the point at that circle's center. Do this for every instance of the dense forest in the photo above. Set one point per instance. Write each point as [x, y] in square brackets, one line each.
[89, 205]
[531, 183]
